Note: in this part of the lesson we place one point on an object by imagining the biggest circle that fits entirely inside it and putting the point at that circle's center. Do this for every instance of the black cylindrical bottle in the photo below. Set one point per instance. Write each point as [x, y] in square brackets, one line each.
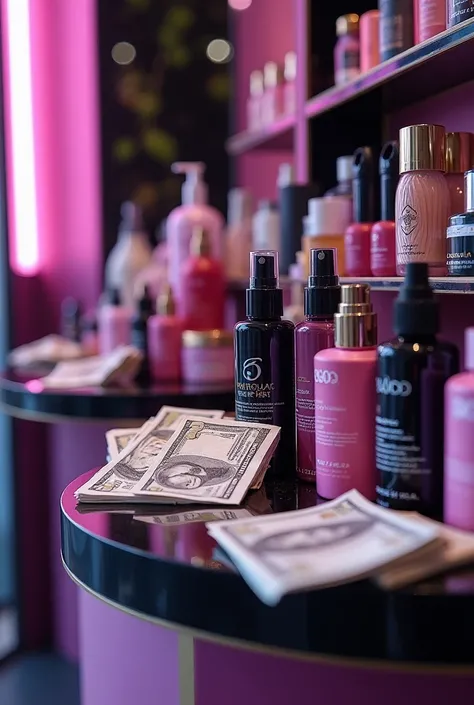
[396, 27]
[411, 373]
[139, 338]
[264, 361]
[293, 205]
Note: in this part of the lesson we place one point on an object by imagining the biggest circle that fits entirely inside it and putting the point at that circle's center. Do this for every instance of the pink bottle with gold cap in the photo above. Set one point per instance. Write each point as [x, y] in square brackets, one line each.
[164, 334]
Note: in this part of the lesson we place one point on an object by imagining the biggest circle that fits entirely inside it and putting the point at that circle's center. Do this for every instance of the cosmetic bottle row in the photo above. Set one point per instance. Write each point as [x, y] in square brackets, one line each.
[272, 93]
[367, 417]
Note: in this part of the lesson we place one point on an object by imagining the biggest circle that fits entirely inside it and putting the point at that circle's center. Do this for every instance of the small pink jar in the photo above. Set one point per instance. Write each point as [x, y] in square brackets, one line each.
[207, 357]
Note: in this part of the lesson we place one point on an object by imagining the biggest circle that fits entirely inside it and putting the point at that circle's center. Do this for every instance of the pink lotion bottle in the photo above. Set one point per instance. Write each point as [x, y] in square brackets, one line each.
[315, 333]
[422, 202]
[459, 443]
[357, 235]
[382, 237]
[458, 161]
[114, 324]
[202, 302]
[164, 331]
[344, 399]
[430, 19]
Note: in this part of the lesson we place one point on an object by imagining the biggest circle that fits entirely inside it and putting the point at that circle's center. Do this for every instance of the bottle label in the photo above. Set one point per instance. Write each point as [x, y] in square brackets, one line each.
[254, 390]
[459, 10]
[460, 231]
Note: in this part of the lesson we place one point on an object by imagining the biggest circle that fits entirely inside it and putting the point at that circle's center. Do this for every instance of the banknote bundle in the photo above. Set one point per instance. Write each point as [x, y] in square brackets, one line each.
[341, 541]
[183, 456]
[121, 364]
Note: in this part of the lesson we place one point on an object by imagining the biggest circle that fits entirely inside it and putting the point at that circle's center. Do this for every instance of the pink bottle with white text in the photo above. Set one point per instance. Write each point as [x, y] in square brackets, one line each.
[114, 324]
[344, 399]
[164, 335]
[459, 444]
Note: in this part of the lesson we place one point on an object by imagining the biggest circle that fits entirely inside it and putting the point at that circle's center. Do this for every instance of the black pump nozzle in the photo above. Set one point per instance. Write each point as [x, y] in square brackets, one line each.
[264, 269]
[389, 169]
[264, 298]
[416, 311]
[363, 185]
[323, 293]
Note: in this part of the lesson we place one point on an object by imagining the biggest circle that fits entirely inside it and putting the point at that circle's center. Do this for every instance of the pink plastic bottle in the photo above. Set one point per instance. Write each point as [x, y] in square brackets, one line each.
[202, 302]
[344, 398]
[459, 444]
[164, 331]
[357, 236]
[114, 324]
[430, 19]
[182, 220]
[315, 333]
[382, 238]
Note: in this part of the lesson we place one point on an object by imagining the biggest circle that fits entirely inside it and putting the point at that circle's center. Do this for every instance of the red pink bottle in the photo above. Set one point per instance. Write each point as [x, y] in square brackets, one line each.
[344, 399]
[164, 332]
[382, 238]
[114, 324]
[430, 19]
[315, 333]
[201, 305]
[357, 236]
[459, 444]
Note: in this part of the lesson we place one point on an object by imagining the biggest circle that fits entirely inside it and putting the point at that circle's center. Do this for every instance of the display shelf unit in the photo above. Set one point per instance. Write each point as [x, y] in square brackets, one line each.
[441, 285]
[279, 135]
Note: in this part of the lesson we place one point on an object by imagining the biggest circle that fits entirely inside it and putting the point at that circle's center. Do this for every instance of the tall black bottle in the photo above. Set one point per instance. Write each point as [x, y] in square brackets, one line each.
[412, 370]
[139, 336]
[264, 362]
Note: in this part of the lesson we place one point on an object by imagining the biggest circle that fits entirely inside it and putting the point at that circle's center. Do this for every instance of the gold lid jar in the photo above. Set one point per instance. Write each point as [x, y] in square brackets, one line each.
[458, 152]
[422, 148]
[208, 357]
[207, 338]
[347, 24]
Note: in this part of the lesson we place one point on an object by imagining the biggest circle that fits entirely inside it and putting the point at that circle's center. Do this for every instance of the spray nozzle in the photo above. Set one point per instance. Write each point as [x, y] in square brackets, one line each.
[188, 168]
[323, 268]
[264, 269]
[416, 284]
[416, 309]
[194, 189]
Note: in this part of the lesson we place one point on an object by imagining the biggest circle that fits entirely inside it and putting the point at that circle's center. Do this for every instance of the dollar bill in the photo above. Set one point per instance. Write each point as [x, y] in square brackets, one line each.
[117, 480]
[209, 461]
[121, 363]
[194, 516]
[341, 541]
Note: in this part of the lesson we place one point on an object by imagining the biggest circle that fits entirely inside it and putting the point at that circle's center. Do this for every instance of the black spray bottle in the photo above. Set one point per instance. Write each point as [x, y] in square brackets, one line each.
[139, 337]
[264, 362]
[412, 370]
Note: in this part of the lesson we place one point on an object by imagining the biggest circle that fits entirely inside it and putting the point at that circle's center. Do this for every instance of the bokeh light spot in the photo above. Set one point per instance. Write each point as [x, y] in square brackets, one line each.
[219, 51]
[123, 53]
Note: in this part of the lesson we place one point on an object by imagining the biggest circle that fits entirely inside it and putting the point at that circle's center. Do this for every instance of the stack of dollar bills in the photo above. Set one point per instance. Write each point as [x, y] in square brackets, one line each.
[183, 456]
[341, 541]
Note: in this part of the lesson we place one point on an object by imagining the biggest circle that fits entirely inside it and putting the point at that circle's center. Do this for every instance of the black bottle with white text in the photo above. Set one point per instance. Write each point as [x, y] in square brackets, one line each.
[412, 370]
[264, 362]
[139, 337]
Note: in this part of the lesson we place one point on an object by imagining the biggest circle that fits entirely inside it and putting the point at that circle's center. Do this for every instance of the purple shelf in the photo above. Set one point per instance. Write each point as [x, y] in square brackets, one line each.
[424, 70]
[276, 136]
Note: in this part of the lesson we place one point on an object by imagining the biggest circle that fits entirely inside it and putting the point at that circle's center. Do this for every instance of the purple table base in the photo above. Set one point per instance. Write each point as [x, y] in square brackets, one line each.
[126, 660]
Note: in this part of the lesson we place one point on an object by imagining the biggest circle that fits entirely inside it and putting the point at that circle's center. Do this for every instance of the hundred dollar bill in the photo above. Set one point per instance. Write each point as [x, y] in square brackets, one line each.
[116, 481]
[119, 438]
[209, 461]
[341, 541]
[193, 516]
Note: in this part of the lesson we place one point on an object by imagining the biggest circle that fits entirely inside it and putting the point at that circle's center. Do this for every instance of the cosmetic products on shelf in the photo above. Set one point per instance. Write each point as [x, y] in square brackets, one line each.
[266, 227]
[344, 399]
[114, 323]
[459, 443]
[460, 256]
[289, 88]
[194, 212]
[139, 335]
[164, 333]
[458, 11]
[422, 199]
[207, 357]
[264, 360]
[382, 237]
[369, 30]
[325, 225]
[357, 235]
[458, 161]
[273, 99]
[396, 27]
[321, 300]
[430, 18]
[292, 202]
[202, 301]
[344, 167]
[129, 256]
[238, 241]
[347, 49]
[412, 370]
[254, 102]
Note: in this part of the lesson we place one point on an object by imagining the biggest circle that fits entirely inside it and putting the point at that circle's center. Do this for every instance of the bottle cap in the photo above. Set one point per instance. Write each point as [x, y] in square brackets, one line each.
[344, 166]
[458, 152]
[416, 312]
[239, 206]
[389, 163]
[363, 186]
[286, 175]
[264, 298]
[272, 74]
[327, 216]
[165, 305]
[323, 293]
[347, 23]
[290, 66]
[200, 245]
[355, 322]
[422, 147]
[469, 348]
[256, 84]
[469, 189]
[194, 190]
